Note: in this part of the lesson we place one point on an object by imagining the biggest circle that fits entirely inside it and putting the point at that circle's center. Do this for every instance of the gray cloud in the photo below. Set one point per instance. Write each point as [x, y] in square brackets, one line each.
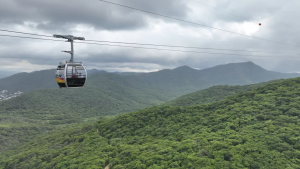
[65, 15]
[107, 22]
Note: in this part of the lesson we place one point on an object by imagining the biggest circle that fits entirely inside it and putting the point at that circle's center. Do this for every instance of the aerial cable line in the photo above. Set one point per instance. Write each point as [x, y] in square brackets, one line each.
[194, 23]
[25, 33]
[158, 45]
[31, 38]
[165, 49]
[138, 47]
[218, 9]
[172, 46]
[236, 16]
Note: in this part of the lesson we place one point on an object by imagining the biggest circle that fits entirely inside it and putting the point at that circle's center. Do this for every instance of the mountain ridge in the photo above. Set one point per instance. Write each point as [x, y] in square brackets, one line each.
[212, 94]
[182, 77]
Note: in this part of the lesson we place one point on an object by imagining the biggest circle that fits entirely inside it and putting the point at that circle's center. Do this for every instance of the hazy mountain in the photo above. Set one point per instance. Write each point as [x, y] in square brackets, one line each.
[95, 71]
[128, 73]
[255, 129]
[4, 74]
[229, 74]
[178, 81]
[26, 82]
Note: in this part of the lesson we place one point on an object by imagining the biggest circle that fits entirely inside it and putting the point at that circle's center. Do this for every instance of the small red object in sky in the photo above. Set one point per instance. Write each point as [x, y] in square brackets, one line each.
[259, 24]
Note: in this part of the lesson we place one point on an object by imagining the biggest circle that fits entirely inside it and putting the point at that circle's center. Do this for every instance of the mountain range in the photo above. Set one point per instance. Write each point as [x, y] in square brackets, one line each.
[179, 81]
[43, 107]
[253, 129]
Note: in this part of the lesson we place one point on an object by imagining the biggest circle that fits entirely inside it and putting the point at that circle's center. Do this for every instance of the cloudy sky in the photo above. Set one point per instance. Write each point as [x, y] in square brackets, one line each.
[97, 20]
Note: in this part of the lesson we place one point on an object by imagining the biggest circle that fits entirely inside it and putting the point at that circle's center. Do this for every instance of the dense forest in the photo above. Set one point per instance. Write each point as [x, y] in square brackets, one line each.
[46, 111]
[41, 111]
[106, 95]
[255, 129]
[212, 94]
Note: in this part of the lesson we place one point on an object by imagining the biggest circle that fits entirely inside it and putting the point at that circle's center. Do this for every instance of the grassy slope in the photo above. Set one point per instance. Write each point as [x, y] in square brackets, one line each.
[256, 129]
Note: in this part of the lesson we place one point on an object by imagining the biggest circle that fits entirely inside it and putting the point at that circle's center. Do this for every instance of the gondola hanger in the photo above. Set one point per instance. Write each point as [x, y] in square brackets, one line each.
[70, 74]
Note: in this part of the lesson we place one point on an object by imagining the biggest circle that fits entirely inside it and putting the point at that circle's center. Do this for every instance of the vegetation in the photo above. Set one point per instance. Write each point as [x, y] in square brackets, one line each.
[42, 111]
[45, 111]
[255, 129]
[212, 94]
[26, 82]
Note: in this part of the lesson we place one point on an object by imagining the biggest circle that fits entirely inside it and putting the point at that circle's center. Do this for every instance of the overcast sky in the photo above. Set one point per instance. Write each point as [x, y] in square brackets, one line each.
[96, 20]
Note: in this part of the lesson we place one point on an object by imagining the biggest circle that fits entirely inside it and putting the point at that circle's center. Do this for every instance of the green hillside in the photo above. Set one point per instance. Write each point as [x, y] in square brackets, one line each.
[212, 94]
[26, 82]
[255, 129]
[41, 111]
[107, 95]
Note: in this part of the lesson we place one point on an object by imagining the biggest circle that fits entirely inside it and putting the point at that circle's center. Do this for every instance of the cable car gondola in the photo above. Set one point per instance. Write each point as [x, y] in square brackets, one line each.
[70, 74]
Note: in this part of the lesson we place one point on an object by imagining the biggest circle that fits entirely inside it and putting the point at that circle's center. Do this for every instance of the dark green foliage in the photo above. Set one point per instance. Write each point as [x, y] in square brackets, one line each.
[212, 94]
[256, 129]
[105, 94]
[51, 108]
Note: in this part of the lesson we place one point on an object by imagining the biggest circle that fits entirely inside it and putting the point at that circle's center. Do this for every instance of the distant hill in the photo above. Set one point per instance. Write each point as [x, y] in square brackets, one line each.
[26, 82]
[95, 71]
[4, 74]
[255, 129]
[178, 81]
[212, 94]
[128, 73]
[186, 80]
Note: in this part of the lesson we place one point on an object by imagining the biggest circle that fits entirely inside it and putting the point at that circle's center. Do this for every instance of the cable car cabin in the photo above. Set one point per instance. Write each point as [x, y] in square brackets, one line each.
[71, 75]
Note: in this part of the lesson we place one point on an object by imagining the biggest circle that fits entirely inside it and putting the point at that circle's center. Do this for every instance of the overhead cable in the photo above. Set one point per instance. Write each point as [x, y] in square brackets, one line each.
[236, 16]
[138, 47]
[158, 45]
[194, 23]
[172, 46]
[4, 30]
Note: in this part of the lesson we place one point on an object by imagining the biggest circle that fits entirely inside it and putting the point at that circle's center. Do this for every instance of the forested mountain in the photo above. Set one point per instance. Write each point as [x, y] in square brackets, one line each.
[105, 94]
[212, 94]
[26, 82]
[179, 81]
[39, 111]
[190, 80]
[95, 71]
[255, 129]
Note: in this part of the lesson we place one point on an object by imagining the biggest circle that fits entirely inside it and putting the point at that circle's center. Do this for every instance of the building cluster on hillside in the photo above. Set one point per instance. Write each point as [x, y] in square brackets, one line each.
[5, 95]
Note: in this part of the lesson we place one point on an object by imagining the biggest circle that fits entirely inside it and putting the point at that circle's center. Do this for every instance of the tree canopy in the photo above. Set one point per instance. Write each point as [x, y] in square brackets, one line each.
[255, 129]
